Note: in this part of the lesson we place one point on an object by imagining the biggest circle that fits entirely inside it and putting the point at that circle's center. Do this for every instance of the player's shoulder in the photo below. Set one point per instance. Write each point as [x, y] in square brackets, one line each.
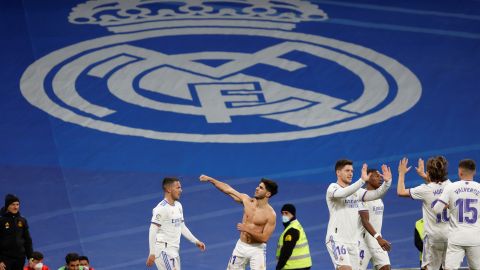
[178, 204]
[161, 205]
[423, 187]
[333, 186]
[361, 191]
[455, 184]
[273, 214]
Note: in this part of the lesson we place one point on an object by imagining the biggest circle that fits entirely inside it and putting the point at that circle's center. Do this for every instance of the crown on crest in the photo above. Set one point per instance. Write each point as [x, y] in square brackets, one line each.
[136, 15]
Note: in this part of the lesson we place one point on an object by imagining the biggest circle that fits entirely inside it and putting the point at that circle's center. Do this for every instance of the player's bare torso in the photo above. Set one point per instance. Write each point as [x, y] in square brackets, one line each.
[256, 218]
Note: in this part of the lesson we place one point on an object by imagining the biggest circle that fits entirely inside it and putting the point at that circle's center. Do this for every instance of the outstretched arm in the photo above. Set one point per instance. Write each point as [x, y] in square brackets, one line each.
[347, 191]
[365, 217]
[402, 170]
[262, 236]
[344, 192]
[225, 188]
[371, 195]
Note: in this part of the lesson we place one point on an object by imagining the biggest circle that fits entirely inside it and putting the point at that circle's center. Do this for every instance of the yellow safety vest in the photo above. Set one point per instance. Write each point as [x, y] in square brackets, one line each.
[420, 228]
[300, 257]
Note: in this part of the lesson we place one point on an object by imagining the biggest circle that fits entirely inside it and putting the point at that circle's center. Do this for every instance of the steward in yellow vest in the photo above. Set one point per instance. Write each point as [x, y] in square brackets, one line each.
[293, 251]
[419, 235]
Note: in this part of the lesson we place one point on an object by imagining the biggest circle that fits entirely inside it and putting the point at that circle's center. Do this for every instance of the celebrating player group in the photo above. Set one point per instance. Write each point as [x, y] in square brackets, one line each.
[354, 238]
[450, 214]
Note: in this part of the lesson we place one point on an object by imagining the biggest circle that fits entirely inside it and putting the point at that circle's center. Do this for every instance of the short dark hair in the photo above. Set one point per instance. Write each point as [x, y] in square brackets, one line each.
[270, 185]
[342, 163]
[467, 164]
[167, 181]
[83, 258]
[371, 171]
[37, 255]
[437, 169]
[71, 257]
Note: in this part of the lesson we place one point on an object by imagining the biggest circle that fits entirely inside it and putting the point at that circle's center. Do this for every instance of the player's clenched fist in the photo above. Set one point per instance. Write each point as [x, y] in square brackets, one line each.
[204, 178]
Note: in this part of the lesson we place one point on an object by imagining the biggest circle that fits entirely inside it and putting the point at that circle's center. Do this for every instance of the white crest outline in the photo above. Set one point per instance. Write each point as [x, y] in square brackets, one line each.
[31, 85]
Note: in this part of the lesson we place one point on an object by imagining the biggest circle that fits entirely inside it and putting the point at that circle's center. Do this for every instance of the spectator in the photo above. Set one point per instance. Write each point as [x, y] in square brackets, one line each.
[72, 262]
[85, 262]
[36, 262]
[15, 240]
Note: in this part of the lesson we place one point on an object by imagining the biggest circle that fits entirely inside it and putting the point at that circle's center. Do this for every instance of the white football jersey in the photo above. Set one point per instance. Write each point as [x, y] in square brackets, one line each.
[375, 213]
[463, 199]
[169, 218]
[436, 225]
[344, 219]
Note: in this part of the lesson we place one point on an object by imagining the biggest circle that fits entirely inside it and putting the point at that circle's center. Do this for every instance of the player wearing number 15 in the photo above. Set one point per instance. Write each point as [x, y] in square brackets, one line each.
[462, 198]
[436, 226]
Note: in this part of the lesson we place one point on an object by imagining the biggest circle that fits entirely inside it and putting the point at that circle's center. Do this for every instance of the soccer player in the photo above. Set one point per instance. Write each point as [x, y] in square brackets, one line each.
[436, 226]
[258, 223]
[343, 199]
[462, 199]
[166, 227]
[372, 245]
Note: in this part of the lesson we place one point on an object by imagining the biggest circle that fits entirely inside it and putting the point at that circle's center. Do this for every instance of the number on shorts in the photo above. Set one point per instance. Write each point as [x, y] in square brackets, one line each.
[465, 207]
[233, 259]
[362, 254]
[341, 250]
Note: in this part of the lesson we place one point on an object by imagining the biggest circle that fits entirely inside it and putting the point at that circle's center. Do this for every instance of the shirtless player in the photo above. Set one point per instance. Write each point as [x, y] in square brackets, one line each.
[258, 223]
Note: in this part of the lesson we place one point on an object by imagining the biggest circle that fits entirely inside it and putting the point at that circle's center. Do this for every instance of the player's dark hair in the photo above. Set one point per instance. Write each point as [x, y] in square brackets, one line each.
[84, 258]
[167, 181]
[467, 164]
[342, 163]
[270, 185]
[371, 171]
[437, 169]
[71, 257]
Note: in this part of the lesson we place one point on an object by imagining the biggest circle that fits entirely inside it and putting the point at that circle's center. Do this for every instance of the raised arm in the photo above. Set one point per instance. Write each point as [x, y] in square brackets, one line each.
[225, 188]
[421, 170]
[262, 236]
[343, 192]
[347, 191]
[365, 217]
[402, 170]
[371, 195]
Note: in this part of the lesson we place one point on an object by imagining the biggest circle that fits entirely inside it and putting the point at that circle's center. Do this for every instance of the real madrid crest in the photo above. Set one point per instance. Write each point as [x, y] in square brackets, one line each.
[7, 225]
[229, 76]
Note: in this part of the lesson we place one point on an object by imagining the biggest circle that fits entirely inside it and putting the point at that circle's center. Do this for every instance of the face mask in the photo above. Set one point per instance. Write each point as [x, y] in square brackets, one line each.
[38, 266]
[285, 219]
